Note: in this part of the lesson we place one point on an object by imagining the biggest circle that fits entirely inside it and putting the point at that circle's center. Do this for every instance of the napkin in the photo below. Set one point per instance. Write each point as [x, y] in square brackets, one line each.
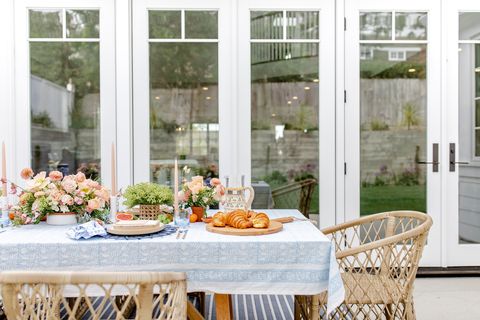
[86, 230]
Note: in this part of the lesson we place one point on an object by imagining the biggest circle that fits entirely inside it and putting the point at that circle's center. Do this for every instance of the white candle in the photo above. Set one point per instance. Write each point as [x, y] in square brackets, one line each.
[175, 188]
[4, 171]
[114, 172]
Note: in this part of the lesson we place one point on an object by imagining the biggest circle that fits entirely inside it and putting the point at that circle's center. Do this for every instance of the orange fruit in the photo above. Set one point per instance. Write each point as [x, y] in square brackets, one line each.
[124, 216]
[11, 215]
[193, 218]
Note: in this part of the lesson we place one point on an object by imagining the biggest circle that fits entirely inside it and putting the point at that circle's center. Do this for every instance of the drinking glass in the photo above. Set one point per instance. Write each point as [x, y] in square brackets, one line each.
[182, 218]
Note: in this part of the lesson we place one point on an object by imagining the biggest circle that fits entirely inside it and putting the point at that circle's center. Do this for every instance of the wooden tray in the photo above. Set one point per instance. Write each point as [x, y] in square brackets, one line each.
[135, 231]
[274, 227]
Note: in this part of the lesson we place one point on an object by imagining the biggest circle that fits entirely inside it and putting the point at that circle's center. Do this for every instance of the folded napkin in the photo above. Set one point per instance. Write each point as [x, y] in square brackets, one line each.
[86, 230]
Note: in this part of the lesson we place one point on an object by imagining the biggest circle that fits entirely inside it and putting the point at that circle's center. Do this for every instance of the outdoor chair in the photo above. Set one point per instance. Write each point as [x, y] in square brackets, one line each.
[378, 256]
[296, 195]
[61, 295]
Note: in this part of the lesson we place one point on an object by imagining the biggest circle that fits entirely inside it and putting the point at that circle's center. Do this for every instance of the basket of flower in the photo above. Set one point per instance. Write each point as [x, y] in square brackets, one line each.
[199, 195]
[152, 200]
[60, 199]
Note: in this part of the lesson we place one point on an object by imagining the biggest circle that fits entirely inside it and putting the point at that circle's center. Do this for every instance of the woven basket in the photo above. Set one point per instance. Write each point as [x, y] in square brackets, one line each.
[148, 212]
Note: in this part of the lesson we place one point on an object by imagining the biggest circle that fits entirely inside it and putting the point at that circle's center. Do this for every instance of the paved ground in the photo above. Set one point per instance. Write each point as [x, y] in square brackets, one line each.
[447, 298]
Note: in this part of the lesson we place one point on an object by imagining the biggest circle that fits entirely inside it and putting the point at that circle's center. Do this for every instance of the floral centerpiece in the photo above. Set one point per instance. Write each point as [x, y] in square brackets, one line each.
[153, 199]
[198, 195]
[55, 195]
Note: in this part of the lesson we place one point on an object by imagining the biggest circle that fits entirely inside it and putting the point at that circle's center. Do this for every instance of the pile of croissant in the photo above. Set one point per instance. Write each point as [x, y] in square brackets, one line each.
[241, 219]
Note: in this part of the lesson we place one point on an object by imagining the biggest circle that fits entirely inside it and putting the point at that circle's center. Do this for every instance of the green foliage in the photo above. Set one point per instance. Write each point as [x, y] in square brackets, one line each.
[164, 218]
[42, 119]
[275, 179]
[410, 116]
[148, 194]
[378, 125]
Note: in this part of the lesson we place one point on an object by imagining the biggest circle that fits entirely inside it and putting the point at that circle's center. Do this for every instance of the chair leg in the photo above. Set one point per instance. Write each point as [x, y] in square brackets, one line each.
[315, 308]
[296, 309]
[388, 312]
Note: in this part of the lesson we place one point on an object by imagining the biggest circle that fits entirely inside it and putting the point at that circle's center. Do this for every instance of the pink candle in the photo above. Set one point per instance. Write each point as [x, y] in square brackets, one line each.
[175, 187]
[114, 172]
[4, 171]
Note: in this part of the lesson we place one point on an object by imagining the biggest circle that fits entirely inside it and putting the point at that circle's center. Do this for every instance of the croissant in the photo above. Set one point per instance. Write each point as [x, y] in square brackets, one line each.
[239, 219]
[219, 219]
[260, 220]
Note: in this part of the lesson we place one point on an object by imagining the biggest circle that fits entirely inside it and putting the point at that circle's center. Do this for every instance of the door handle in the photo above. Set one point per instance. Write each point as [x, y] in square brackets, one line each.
[434, 161]
[451, 156]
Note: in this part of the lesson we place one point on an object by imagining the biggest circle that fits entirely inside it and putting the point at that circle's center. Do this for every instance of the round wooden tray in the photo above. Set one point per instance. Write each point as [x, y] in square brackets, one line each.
[274, 227]
[135, 231]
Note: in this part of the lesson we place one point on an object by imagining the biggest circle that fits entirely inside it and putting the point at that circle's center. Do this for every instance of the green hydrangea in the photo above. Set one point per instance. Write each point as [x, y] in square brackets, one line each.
[148, 194]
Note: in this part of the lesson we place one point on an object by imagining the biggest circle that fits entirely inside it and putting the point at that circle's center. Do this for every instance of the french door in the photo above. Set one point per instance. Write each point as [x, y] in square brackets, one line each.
[393, 147]
[463, 133]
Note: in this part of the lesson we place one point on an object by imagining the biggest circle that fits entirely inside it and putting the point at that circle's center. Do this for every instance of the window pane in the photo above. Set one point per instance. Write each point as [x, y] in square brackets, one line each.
[393, 124]
[411, 26]
[302, 25]
[284, 117]
[469, 28]
[183, 108]
[477, 113]
[477, 143]
[477, 69]
[266, 25]
[45, 23]
[65, 107]
[375, 26]
[165, 24]
[201, 24]
[83, 24]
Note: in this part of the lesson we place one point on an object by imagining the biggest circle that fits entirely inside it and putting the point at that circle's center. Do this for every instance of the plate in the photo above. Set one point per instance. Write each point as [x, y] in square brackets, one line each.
[274, 227]
[136, 231]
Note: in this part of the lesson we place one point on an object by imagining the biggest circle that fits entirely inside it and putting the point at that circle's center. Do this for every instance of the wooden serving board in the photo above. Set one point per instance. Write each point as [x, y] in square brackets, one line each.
[136, 231]
[274, 227]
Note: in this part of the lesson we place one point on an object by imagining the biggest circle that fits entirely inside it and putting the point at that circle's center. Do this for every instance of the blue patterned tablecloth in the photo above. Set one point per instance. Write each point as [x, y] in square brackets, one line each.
[297, 260]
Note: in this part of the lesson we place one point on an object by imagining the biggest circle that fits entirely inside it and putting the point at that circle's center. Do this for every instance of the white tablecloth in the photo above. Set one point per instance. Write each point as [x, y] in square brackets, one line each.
[297, 260]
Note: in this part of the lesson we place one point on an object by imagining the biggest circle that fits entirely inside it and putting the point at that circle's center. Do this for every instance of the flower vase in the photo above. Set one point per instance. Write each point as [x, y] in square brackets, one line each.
[200, 212]
[61, 218]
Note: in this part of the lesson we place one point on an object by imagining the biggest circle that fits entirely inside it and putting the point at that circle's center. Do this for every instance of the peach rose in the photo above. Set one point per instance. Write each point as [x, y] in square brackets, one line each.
[26, 173]
[215, 182]
[197, 179]
[55, 175]
[66, 199]
[69, 184]
[80, 177]
[78, 200]
[103, 194]
[93, 205]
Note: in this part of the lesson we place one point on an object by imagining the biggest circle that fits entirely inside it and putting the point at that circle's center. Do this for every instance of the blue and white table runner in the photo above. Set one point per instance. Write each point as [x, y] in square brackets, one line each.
[299, 260]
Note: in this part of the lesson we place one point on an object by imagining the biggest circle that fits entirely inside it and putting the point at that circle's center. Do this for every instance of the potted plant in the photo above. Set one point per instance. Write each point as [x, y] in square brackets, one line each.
[149, 197]
[198, 195]
[61, 199]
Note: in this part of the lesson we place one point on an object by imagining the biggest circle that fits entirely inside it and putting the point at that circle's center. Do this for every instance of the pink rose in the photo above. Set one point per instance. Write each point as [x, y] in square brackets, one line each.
[93, 184]
[78, 200]
[26, 173]
[69, 185]
[93, 205]
[215, 182]
[55, 175]
[66, 199]
[103, 194]
[80, 177]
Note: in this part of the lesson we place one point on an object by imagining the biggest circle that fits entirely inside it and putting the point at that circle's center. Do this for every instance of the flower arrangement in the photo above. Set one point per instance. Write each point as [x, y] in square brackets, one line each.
[56, 193]
[146, 193]
[196, 193]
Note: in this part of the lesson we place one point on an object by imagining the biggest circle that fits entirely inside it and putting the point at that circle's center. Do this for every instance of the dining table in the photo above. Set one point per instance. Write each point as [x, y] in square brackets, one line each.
[298, 260]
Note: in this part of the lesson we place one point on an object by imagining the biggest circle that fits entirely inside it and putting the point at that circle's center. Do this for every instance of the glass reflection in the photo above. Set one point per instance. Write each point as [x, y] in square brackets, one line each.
[375, 26]
[411, 26]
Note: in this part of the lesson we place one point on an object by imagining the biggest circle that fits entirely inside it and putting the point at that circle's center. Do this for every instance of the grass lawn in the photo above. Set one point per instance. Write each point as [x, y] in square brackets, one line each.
[387, 198]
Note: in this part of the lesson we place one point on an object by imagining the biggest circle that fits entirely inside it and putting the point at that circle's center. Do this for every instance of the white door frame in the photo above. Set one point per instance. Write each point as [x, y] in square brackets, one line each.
[22, 78]
[326, 92]
[432, 254]
[457, 254]
[141, 110]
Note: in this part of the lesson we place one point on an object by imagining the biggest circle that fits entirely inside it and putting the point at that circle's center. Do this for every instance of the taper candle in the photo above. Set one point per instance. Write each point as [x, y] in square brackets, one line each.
[175, 188]
[114, 172]
[4, 171]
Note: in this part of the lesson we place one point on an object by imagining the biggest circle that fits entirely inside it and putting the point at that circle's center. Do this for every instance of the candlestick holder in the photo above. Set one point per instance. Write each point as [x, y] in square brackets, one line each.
[113, 209]
[5, 219]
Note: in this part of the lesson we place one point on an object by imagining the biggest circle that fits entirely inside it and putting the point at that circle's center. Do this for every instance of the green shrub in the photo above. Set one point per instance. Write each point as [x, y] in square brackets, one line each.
[378, 125]
[148, 194]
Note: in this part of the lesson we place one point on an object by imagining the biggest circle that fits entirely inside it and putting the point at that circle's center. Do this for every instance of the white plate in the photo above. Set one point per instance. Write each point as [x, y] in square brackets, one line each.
[136, 231]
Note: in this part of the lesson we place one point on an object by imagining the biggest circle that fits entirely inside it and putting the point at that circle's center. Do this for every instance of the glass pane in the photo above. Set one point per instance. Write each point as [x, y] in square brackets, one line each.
[393, 115]
[302, 24]
[477, 143]
[477, 113]
[183, 108]
[45, 23]
[411, 26]
[284, 113]
[469, 28]
[375, 26]
[83, 24]
[477, 69]
[201, 24]
[165, 24]
[266, 25]
[65, 107]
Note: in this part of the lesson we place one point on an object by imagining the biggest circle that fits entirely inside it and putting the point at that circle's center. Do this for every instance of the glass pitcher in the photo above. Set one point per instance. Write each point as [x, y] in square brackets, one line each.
[235, 199]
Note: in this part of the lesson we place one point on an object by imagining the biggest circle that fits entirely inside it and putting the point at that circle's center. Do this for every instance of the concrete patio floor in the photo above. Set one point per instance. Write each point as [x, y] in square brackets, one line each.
[447, 298]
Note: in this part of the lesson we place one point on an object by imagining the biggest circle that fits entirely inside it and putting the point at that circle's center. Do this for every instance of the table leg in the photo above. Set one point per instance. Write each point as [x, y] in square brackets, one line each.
[223, 306]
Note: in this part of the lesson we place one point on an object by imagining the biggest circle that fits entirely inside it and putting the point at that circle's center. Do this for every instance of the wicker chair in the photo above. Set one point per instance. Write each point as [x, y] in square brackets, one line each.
[296, 195]
[47, 295]
[378, 256]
